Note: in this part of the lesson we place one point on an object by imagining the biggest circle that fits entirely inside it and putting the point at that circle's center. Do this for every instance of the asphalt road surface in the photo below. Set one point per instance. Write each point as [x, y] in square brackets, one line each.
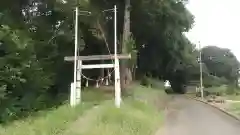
[189, 117]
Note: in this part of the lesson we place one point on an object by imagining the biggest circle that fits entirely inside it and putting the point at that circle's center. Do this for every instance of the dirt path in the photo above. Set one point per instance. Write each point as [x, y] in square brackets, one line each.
[188, 117]
[82, 122]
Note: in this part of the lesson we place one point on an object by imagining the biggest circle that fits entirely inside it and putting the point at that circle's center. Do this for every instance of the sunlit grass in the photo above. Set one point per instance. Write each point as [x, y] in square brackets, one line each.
[55, 120]
[138, 115]
[234, 108]
[134, 118]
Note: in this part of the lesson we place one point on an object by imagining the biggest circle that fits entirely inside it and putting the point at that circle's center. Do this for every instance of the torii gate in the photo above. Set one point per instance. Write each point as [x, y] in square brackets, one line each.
[78, 66]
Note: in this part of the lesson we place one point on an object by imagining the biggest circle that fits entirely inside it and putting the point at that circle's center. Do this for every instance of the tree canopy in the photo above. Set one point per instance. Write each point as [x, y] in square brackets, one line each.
[221, 62]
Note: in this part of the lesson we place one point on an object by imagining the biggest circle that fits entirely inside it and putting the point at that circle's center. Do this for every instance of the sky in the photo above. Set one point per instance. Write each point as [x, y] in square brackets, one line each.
[217, 22]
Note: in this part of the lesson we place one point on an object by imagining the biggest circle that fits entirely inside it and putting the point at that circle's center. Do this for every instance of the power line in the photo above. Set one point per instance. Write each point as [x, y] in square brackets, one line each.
[108, 49]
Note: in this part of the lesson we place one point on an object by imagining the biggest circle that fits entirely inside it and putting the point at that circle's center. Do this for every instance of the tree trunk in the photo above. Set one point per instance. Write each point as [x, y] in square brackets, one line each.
[103, 36]
[126, 75]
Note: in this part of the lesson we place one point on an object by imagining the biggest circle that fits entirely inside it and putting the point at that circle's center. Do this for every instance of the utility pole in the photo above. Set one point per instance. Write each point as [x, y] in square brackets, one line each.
[75, 55]
[200, 63]
[77, 73]
[116, 64]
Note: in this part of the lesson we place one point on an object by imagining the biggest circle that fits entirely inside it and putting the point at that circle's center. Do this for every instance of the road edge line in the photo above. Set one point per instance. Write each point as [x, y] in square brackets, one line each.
[220, 109]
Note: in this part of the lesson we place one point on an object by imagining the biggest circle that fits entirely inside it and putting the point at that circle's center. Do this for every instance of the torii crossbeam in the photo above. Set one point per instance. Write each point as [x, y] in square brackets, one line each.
[98, 57]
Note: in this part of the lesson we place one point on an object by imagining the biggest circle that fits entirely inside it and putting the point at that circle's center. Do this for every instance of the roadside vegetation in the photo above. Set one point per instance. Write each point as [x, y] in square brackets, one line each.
[36, 35]
[141, 113]
[235, 108]
[225, 97]
[56, 119]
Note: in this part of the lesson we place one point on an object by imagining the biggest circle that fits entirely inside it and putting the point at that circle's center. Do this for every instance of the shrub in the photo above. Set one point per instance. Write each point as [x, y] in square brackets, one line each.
[145, 81]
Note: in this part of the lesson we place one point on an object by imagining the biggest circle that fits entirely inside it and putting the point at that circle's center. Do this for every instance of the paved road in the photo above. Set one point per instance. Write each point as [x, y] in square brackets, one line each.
[188, 117]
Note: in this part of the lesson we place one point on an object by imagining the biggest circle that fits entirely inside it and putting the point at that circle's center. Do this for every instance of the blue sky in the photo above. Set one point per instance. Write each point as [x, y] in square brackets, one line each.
[217, 22]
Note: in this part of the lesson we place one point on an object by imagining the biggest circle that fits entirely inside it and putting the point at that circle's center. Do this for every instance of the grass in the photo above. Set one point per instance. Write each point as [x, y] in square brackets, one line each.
[221, 89]
[134, 118]
[234, 108]
[51, 123]
[138, 115]
[233, 97]
[55, 120]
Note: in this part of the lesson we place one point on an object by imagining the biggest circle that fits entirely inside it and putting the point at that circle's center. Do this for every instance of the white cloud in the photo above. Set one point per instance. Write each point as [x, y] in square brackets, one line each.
[217, 22]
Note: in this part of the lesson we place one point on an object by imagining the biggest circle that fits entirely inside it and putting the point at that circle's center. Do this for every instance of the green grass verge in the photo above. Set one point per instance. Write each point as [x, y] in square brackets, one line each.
[233, 97]
[138, 115]
[133, 118]
[54, 120]
[49, 123]
[234, 108]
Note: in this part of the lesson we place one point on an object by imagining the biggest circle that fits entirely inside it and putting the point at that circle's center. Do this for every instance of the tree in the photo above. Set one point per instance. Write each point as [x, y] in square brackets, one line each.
[126, 75]
[215, 57]
[163, 47]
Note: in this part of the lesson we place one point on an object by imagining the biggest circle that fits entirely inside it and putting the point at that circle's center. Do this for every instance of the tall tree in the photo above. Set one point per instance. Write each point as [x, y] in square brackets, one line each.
[215, 57]
[126, 75]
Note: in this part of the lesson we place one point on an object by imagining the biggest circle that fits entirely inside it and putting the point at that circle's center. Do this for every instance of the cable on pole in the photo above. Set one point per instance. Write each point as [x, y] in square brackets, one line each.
[108, 49]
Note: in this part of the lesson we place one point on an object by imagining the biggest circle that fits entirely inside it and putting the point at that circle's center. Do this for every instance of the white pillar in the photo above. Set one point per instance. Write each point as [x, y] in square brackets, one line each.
[72, 95]
[116, 60]
[75, 51]
[78, 87]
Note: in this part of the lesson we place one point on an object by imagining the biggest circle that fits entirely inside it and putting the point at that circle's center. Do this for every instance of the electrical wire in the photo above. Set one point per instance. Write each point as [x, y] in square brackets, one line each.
[78, 52]
[105, 77]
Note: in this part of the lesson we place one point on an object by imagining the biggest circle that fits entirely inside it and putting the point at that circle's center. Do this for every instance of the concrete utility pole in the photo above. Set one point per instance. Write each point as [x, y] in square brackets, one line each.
[75, 55]
[77, 74]
[116, 64]
[200, 62]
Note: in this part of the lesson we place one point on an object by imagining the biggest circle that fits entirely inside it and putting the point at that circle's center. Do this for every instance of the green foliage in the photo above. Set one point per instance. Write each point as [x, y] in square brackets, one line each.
[213, 81]
[232, 90]
[22, 78]
[33, 44]
[163, 48]
[222, 90]
[138, 115]
[131, 49]
[145, 81]
[215, 57]
[102, 119]
[55, 120]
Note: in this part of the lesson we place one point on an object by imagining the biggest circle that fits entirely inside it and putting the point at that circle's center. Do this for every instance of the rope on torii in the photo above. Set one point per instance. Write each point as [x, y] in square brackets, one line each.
[78, 66]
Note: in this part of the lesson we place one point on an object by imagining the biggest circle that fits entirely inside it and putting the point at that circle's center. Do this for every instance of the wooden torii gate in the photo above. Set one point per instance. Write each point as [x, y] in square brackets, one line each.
[78, 66]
